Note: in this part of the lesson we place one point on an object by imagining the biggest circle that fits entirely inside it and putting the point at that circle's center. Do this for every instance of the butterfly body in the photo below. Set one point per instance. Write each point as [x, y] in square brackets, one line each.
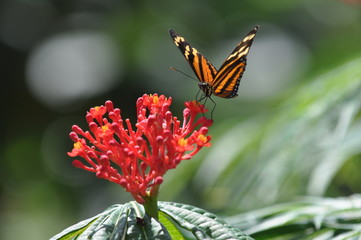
[225, 81]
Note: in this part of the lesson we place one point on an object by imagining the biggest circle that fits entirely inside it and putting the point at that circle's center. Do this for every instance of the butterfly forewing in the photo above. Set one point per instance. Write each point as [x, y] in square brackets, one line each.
[230, 73]
[204, 69]
[224, 82]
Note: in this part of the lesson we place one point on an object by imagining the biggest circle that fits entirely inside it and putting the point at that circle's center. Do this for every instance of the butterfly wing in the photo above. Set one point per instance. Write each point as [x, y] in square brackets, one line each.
[229, 75]
[203, 69]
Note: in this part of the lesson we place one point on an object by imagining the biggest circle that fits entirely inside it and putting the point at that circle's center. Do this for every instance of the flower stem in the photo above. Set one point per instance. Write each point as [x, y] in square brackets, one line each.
[151, 207]
[151, 203]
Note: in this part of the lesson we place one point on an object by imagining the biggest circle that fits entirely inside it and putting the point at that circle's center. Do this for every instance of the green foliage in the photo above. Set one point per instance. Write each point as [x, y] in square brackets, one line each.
[311, 218]
[128, 221]
[297, 149]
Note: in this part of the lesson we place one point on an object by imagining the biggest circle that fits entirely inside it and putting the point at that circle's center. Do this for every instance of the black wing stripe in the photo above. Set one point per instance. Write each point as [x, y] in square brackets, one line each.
[234, 81]
[200, 67]
[213, 70]
[223, 73]
[241, 49]
[231, 85]
[247, 41]
[186, 50]
[203, 69]
[231, 71]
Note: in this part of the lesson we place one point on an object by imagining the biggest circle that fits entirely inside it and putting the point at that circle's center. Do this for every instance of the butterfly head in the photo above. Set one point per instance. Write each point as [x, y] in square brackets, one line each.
[206, 88]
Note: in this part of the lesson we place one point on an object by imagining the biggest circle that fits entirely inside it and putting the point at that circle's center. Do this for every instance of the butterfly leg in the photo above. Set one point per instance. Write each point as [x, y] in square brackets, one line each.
[214, 106]
[205, 98]
[200, 99]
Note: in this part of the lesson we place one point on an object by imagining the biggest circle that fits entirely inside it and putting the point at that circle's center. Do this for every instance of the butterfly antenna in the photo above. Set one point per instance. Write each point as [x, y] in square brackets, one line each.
[177, 70]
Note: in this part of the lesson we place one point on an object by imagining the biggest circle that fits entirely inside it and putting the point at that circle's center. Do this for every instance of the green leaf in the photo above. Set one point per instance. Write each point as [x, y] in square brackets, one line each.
[172, 229]
[202, 224]
[75, 230]
[311, 218]
[351, 235]
[129, 221]
[126, 221]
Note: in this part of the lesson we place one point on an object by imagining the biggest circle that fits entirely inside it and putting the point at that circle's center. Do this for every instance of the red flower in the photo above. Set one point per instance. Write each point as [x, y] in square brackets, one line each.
[138, 159]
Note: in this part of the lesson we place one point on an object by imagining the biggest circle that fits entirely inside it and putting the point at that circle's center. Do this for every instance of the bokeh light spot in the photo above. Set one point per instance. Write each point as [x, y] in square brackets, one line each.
[71, 67]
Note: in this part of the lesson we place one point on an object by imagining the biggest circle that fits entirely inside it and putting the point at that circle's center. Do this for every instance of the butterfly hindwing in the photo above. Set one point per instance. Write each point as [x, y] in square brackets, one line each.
[224, 82]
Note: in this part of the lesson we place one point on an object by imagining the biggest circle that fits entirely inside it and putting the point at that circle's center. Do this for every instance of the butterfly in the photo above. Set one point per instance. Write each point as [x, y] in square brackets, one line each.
[225, 81]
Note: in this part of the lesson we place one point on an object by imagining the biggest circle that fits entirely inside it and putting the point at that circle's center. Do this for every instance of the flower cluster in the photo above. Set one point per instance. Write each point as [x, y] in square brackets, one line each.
[138, 158]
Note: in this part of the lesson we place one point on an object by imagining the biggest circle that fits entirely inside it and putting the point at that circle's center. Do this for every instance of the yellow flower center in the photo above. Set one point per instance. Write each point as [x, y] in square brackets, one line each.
[182, 142]
[202, 138]
[78, 145]
[105, 128]
[155, 99]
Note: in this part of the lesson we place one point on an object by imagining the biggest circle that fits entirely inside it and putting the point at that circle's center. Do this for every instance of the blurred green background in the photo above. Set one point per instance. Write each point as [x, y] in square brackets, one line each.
[294, 130]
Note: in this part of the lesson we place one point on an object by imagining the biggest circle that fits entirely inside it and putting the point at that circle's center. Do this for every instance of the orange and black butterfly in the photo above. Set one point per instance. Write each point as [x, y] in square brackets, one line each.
[225, 81]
